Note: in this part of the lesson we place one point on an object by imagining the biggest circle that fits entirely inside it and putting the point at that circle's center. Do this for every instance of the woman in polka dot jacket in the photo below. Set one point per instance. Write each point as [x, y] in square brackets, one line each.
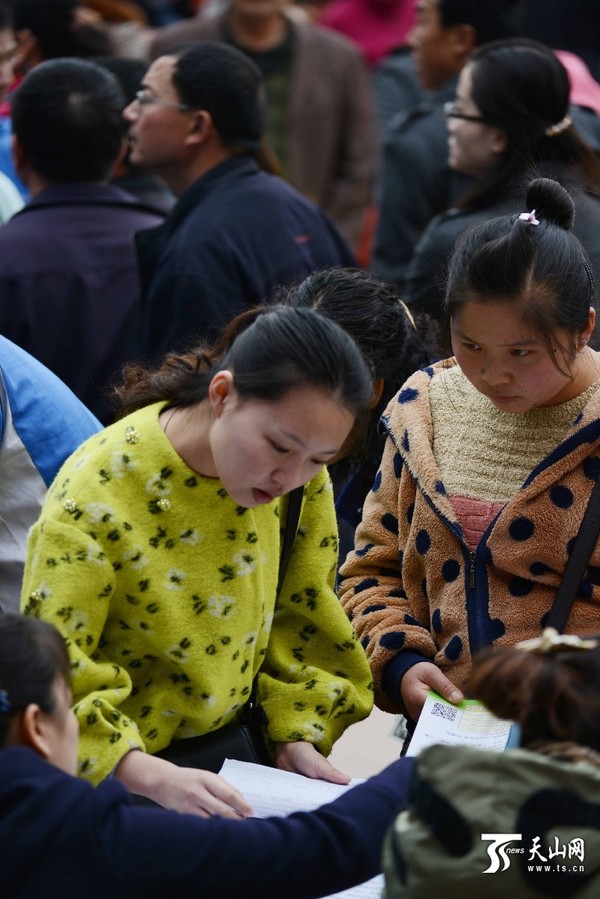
[488, 466]
[157, 552]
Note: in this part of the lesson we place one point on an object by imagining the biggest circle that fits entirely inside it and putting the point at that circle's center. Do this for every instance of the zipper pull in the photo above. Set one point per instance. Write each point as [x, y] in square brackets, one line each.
[472, 571]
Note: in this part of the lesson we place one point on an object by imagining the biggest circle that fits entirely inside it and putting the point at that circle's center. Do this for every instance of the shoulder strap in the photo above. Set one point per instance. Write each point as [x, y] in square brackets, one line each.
[291, 513]
[292, 519]
[580, 555]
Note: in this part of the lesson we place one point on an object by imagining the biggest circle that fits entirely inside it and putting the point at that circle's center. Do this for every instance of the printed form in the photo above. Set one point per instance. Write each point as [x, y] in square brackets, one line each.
[272, 792]
[469, 724]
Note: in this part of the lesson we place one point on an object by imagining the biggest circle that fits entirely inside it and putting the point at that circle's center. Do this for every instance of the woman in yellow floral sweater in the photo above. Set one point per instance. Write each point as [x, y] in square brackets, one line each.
[157, 554]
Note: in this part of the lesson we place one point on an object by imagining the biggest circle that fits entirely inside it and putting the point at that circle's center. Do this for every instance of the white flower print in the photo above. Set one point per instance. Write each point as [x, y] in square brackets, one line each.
[91, 763]
[179, 652]
[175, 578]
[98, 512]
[157, 485]
[220, 605]
[191, 537]
[79, 621]
[135, 557]
[94, 554]
[121, 463]
[207, 702]
[249, 639]
[81, 461]
[244, 562]
[313, 733]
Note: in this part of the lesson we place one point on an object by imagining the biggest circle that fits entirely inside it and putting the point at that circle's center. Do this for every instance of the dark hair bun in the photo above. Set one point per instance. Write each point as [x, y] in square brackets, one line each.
[551, 202]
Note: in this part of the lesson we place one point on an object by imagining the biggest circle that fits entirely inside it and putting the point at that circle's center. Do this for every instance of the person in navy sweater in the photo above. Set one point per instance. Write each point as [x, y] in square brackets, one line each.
[77, 840]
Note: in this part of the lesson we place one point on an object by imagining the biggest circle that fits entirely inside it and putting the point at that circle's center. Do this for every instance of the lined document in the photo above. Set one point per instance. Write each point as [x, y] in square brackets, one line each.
[272, 792]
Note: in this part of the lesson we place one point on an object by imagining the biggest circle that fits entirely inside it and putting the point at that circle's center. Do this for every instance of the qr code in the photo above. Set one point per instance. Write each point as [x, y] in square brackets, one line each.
[444, 711]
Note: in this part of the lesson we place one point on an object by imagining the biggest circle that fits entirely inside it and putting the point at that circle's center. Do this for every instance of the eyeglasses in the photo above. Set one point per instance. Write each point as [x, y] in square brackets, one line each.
[451, 111]
[145, 99]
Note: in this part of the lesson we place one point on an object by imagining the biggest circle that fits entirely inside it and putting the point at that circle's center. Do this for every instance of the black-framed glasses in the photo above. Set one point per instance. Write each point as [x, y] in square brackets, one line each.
[451, 111]
[145, 99]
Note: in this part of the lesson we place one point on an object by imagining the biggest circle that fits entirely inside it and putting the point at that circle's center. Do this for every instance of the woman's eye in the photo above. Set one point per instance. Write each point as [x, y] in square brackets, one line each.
[520, 353]
[471, 346]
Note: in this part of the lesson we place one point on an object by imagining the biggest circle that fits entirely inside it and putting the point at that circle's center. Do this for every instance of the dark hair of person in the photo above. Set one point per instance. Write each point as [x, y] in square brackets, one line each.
[553, 696]
[67, 116]
[491, 19]
[220, 79]
[270, 350]
[521, 87]
[7, 19]
[373, 314]
[58, 33]
[541, 270]
[32, 655]
[128, 71]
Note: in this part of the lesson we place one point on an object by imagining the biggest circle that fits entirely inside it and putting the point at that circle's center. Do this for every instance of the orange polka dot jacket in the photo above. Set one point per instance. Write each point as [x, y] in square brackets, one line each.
[413, 587]
[165, 591]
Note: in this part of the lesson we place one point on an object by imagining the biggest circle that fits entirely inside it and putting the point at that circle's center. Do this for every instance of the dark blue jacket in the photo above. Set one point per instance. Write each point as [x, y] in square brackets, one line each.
[234, 235]
[60, 837]
[69, 286]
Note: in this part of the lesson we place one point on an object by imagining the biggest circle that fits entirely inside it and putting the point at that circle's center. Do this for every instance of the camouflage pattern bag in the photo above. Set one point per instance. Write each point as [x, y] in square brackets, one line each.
[482, 824]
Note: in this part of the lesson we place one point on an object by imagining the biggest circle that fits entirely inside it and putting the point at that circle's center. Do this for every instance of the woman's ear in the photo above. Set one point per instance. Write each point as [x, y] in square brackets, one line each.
[586, 333]
[30, 730]
[499, 142]
[220, 389]
[378, 385]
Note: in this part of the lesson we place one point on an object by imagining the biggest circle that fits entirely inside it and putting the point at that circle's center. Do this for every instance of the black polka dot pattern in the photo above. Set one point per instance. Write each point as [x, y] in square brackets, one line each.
[452, 598]
[521, 529]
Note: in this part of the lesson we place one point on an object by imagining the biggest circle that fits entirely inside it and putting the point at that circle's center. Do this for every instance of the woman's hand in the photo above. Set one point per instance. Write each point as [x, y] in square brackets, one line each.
[190, 790]
[418, 681]
[303, 758]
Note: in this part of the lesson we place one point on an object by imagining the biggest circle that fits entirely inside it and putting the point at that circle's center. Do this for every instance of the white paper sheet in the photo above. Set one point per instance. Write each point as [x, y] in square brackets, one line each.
[273, 792]
[469, 724]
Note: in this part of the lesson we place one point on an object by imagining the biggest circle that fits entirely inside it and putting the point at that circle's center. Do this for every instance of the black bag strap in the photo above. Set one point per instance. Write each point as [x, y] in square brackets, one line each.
[291, 511]
[292, 519]
[580, 556]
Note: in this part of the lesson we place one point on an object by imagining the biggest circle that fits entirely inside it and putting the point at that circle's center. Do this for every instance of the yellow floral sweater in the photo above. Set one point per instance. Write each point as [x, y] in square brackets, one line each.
[165, 591]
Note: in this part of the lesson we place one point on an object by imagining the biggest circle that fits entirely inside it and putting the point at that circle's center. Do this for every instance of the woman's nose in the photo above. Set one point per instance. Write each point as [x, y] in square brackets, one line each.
[494, 373]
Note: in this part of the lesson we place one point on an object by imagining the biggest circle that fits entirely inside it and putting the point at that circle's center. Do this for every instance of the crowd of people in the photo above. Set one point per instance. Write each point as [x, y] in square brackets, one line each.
[298, 414]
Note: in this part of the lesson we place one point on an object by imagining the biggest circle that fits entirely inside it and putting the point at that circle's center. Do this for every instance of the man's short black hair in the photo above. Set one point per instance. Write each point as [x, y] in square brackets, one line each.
[67, 117]
[492, 19]
[218, 78]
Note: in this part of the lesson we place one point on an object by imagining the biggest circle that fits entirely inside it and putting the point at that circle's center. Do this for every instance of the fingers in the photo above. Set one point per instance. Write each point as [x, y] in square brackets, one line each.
[445, 688]
[419, 680]
[304, 758]
[328, 772]
[203, 793]
[224, 799]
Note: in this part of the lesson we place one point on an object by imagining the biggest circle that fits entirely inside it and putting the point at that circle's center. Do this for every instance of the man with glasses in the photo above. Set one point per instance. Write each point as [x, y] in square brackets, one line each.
[416, 183]
[320, 113]
[236, 231]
